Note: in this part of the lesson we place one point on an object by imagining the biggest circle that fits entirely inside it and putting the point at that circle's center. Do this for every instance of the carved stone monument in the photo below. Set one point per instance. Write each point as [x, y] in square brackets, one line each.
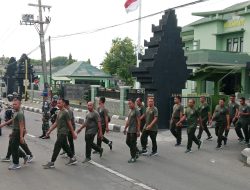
[162, 71]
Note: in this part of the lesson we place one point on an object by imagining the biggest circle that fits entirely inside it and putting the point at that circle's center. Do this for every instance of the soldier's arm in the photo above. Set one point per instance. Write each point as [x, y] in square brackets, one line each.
[138, 126]
[106, 121]
[143, 115]
[200, 121]
[181, 115]
[6, 123]
[209, 115]
[126, 126]
[213, 115]
[71, 129]
[183, 118]
[100, 128]
[51, 128]
[82, 126]
[21, 127]
[228, 121]
[152, 123]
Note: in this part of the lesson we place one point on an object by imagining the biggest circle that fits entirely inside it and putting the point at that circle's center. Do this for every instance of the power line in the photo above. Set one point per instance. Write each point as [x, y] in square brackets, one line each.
[116, 25]
[127, 22]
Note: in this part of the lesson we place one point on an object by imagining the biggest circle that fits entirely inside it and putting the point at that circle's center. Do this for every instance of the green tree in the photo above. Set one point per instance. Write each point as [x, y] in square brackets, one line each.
[58, 61]
[120, 59]
[70, 60]
[4, 60]
[35, 62]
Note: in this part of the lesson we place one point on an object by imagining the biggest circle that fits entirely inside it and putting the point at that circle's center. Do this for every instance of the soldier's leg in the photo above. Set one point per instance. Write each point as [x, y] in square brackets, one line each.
[226, 132]
[21, 154]
[221, 130]
[206, 129]
[238, 131]
[43, 131]
[46, 128]
[190, 138]
[104, 139]
[8, 155]
[93, 145]
[129, 142]
[88, 146]
[26, 149]
[144, 139]
[200, 132]
[173, 129]
[66, 146]
[245, 131]
[194, 138]
[57, 147]
[179, 132]
[71, 143]
[133, 148]
[15, 141]
[153, 135]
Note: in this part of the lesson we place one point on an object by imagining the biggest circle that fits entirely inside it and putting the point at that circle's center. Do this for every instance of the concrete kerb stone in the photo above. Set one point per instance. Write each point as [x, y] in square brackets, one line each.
[36, 110]
[85, 111]
[119, 117]
[245, 156]
[79, 120]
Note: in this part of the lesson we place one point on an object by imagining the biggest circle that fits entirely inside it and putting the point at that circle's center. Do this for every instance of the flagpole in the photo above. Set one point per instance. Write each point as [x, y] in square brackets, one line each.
[139, 34]
[138, 49]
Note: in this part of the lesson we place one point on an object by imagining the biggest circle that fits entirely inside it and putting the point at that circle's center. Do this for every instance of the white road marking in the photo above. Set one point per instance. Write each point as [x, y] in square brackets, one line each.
[31, 135]
[122, 176]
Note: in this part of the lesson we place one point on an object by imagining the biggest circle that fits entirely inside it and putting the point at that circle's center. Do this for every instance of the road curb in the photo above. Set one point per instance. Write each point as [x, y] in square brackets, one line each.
[85, 111]
[79, 120]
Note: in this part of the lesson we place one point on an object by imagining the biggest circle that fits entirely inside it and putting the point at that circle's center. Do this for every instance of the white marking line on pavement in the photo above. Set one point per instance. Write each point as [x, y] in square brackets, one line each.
[122, 176]
[31, 135]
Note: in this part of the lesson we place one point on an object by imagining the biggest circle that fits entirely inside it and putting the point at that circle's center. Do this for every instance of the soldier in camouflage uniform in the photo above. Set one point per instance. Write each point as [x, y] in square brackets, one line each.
[46, 116]
[233, 111]
[243, 116]
[205, 118]
[45, 125]
[178, 111]
[192, 116]
[222, 119]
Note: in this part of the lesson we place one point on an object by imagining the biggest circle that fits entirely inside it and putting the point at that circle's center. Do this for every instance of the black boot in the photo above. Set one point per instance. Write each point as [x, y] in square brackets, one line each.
[43, 135]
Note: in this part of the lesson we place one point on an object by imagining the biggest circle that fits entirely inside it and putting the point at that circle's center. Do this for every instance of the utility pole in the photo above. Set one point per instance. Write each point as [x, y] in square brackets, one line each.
[26, 81]
[50, 72]
[28, 19]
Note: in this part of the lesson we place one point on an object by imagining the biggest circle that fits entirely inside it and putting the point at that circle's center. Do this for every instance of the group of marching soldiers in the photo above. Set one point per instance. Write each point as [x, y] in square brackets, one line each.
[141, 122]
[223, 117]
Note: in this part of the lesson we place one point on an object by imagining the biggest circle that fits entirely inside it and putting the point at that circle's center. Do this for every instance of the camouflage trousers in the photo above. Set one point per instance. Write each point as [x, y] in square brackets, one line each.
[45, 126]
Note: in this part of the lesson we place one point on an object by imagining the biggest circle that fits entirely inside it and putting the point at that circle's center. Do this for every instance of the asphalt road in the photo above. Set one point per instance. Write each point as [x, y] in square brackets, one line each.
[172, 169]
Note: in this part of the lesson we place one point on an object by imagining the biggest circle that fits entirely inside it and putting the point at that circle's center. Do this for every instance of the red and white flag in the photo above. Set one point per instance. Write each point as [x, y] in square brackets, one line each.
[131, 5]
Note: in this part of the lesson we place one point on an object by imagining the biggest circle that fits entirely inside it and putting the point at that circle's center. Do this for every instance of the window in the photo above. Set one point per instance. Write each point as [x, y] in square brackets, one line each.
[229, 44]
[241, 44]
[196, 44]
[235, 45]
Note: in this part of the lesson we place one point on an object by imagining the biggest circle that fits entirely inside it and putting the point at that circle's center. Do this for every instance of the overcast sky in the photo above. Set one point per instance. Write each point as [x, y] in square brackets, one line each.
[71, 16]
